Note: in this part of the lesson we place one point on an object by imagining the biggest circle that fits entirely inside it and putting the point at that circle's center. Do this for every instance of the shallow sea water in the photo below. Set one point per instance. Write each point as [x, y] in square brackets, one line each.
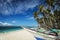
[9, 29]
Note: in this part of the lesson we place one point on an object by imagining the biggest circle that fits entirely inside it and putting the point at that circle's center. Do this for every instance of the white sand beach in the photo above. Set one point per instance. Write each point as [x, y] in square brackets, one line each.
[24, 34]
[41, 35]
[17, 35]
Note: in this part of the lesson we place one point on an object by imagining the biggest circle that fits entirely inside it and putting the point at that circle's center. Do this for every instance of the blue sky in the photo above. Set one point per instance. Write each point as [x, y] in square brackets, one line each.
[18, 12]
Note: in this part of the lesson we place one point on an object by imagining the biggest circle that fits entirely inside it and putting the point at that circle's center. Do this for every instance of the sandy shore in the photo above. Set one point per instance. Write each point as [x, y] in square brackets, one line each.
[17, 35]
[41, 35]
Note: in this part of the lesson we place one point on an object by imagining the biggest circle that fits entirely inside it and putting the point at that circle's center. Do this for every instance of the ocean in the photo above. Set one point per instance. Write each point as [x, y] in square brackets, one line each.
[4, 29]
[9, 29]
[30, 26]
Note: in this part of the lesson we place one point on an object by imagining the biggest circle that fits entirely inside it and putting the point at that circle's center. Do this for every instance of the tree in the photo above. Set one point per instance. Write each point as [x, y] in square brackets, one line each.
[38, 19]
[51, 15]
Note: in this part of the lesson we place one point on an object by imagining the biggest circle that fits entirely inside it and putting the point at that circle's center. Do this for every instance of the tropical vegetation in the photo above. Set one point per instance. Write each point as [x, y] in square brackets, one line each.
[48, 16]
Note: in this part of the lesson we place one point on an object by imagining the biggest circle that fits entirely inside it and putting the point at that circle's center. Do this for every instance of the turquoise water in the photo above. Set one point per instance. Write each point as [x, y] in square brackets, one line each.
[13, 28]
[31, 26]
[9, 29]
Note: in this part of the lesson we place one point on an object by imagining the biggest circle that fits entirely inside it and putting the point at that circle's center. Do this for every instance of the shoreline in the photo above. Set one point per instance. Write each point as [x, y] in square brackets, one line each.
[17, 35]
[41, 35]
[23, 34]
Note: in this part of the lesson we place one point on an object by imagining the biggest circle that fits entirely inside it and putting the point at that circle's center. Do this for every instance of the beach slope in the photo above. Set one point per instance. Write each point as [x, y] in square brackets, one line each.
[17, 35]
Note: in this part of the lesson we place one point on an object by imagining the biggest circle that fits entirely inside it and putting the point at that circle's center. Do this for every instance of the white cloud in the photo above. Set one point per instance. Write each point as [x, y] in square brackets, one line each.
[30, 18]
[0, 22]
[13, 21]
[9, 7]
[5, 24]
[24, 6]
[9, 1]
